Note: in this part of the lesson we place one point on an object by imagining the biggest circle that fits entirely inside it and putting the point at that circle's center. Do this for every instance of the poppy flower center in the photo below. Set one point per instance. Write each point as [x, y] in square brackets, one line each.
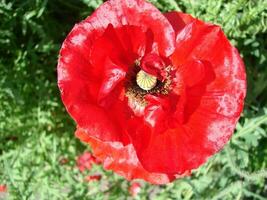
[147, 79]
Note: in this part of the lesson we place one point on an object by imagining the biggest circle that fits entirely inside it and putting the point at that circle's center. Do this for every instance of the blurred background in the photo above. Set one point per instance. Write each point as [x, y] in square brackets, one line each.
[41, 159]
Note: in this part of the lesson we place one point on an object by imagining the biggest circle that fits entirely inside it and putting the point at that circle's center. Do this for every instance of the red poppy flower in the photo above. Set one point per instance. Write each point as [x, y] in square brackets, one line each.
[95, 177]
[154, 95]
[135, 189]
[85, 161]
[3, 188]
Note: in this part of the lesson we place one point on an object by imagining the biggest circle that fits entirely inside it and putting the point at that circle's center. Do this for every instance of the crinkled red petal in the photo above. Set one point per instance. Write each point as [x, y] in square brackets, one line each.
[122, 159]
[213, 103]
[178, 20]
[82, 84]
[137, 13]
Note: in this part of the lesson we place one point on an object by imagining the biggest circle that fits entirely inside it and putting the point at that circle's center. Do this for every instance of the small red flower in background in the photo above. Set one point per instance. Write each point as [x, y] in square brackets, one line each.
[3, 188]
[135, 189]
[96, 177]
[85, 161]
[153, 94]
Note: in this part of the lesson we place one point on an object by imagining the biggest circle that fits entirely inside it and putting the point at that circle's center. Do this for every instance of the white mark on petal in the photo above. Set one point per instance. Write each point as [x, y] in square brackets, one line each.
[219, 132]
[78, 39]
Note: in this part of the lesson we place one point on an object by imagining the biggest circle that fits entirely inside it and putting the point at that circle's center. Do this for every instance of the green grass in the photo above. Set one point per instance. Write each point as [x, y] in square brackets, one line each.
[36, 132]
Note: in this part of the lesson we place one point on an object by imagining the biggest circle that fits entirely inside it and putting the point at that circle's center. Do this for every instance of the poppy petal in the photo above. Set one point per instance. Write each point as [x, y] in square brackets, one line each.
[121, 159]
[193, 72]
[178, 20]
[216, 108]
[79, 79]
[137, 13]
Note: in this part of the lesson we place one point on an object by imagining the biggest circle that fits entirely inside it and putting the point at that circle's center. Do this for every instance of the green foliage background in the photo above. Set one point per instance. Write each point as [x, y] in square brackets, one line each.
[36, 132]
